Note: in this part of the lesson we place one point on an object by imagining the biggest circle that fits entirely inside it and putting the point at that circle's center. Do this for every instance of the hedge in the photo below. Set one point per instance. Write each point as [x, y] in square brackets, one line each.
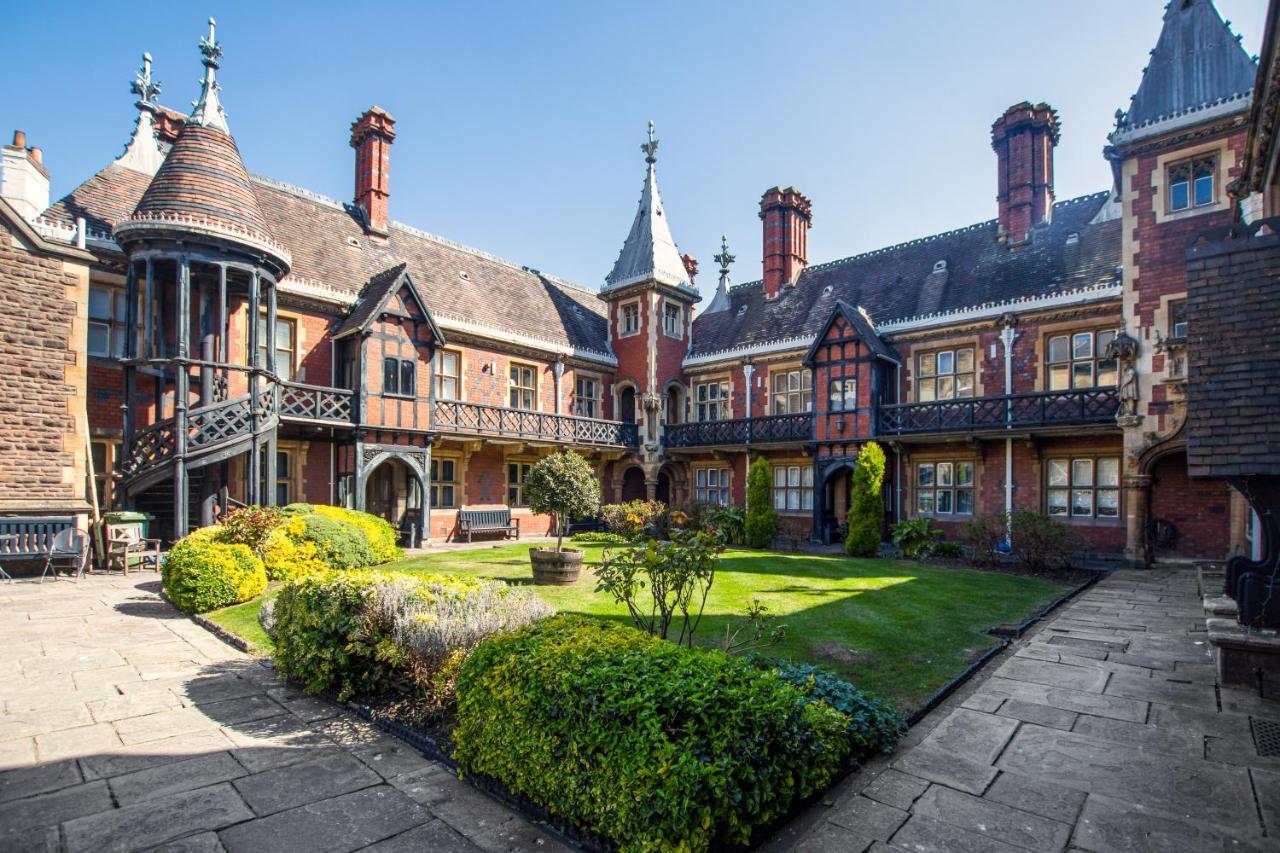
[651, 745]
[201, 573]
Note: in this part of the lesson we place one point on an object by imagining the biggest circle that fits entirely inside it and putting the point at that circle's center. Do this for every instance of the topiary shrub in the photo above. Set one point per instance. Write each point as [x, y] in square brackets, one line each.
[761, 524]
[340, 544]
[378, 531]
[866, 506]
[201, 573]
[562, 485]
[652, 745]
[874, 725]
[287, 555]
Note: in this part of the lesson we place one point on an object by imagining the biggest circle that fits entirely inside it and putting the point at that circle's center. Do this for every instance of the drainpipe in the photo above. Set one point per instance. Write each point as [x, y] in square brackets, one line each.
[557, 371]
[897, 456]
[1007, 337]
[748, 373]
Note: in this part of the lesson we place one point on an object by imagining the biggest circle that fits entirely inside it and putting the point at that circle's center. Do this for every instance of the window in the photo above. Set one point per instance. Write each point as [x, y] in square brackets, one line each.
[672, 320]
[586, 397]
[104, 456]
[1178, 318]
[711, 486]
[106, 321]
[284, 479]
[1079, 360]
[630, 318]
[285, 342]
[843, 395]
[399, 376]
[792, 487]
[347, 490]
[944, 488]
[792, 392]
[524, 387]
[444, 483]
[1084, 487]
[516, 474]
[1191, 183]
[944, 375]
[713, 401]
[446, 368]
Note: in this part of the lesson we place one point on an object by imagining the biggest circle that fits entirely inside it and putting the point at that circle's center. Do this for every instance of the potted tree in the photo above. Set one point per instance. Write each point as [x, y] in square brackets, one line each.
[562, 485]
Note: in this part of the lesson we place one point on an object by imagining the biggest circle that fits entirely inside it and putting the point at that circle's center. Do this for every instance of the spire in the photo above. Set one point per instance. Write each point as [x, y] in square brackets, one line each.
[1197, 64]
[207, 111]
[649, 253]
[720, 302]
[142, 152]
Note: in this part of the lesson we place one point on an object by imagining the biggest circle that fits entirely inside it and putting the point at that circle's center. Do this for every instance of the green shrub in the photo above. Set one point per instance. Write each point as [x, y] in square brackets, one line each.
[984, 533]
[866, 506]
[298, 509]
[915, 536]
[201, 573]
[250, 525]
[631, 518]
[652, 745]
[377, 531]
[874, 725]
[731, 521]
[599, 537]
[761, 523]
[1039, 542]
[287, 555]
[341, 544]
[562, 485]
[949, 550]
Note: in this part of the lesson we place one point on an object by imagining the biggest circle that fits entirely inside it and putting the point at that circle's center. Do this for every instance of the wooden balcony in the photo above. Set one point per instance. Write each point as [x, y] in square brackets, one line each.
[742, 432]
[1039, 410]
[455, 416]
[316, 403]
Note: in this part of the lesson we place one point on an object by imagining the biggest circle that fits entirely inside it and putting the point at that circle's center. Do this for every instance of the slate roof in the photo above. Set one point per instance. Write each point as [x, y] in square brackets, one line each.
[649, 252]
[904, 281]
[373, 300]
[1197, 61]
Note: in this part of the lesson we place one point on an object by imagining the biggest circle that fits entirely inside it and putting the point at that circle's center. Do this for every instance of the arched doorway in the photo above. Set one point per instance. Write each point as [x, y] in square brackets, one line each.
[394, 492]
[837, 487]
[633, 485]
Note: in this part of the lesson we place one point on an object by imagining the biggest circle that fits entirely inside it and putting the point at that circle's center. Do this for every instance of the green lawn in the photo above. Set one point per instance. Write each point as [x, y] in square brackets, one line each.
[894, 628]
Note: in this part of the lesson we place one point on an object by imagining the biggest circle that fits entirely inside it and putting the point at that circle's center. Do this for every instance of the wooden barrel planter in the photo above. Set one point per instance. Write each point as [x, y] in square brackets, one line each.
[556, 568]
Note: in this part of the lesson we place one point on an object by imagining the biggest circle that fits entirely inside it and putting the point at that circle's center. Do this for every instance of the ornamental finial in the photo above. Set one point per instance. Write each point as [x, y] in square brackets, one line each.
[209, 46]
[143, 86]
[207, 111]
[650, 148]
[724, 258]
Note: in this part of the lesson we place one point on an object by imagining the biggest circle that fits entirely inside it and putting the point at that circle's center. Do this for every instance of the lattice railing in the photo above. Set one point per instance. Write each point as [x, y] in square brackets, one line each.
[769, 429]
[316, 403]
[151, 447]
[481, 419]
[208, 426]
[1077, 407]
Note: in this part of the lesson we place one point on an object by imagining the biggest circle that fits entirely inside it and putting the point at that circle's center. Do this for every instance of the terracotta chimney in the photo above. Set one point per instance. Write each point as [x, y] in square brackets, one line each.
[787, 215]
[371, 137]
[24, 180]
[1023, 139]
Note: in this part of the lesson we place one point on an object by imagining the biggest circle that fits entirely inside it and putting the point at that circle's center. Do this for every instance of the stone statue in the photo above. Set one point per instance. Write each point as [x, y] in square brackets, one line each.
[1124, 349]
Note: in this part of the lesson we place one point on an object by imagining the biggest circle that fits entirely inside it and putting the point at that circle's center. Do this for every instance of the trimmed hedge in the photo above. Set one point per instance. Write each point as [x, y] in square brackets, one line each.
[378, 531]
[287, 554]
[652, 745]
[600, 537]
[201, 573]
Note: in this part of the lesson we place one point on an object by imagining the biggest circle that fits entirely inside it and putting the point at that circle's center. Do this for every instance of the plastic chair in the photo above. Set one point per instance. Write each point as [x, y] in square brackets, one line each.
[70, 550]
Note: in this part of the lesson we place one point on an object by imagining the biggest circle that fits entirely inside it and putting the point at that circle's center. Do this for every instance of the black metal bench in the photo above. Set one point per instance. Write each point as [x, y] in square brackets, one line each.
[29, 537]
[487, 521]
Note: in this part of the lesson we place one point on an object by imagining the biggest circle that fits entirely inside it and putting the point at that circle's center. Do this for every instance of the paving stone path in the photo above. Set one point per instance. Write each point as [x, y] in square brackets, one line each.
[1104, 731]
[126, 726]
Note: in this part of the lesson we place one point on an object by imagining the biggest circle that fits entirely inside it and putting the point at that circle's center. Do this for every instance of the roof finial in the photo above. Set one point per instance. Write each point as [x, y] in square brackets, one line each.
[650, 148]
[207, 111]
[724, 258]
[143, 86]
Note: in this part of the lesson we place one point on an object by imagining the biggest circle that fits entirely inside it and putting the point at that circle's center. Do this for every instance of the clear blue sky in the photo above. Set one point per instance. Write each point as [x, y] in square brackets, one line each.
[519, 124]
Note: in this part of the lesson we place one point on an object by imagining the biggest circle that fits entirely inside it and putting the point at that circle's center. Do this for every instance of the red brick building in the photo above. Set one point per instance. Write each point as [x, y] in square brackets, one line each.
[252, 341]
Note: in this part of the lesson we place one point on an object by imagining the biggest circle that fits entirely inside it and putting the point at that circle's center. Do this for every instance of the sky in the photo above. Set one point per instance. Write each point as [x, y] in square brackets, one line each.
[519, 124]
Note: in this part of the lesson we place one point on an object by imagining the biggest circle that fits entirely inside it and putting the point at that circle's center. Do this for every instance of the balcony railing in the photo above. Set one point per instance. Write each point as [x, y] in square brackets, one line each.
[770, 429]
[480, 419]
[315, 403]
[1077, 407]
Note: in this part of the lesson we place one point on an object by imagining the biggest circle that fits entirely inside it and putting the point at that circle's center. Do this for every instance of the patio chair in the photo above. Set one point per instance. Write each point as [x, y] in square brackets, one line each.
[125, 544]
[70, 549]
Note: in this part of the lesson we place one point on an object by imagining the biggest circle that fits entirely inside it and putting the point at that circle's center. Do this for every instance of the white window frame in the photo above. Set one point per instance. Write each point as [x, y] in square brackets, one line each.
[1071, 482]
[796, 394]
[439, 377]
[946, 373]
[626, 311]
[942, 485]
[672, 324]
[110, 324]
[586, 405]
[712, 485]
[713, 401]
[513, 387]
[792, 487]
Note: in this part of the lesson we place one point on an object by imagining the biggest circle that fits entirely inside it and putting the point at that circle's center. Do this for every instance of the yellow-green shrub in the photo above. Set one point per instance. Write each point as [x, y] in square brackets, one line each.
[381, 535]
[287, 555]
[201, 573]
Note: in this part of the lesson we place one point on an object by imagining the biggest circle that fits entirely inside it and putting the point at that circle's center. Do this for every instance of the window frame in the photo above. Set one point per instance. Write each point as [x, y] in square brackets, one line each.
[1208, 161]
[1178, 318]
[438, 375]
[934, 379]
[713, 484]
[667, 307]
[439, 483]
[291, 353]
[115, 326]
[1098, 341]
[625, 311]
[791, 486]
[514, 388]
[1073, 487]
[721, 402]
[399, 375]
[797, 400]
[284, 476]
[594, 407]
[949, 486]
[843, 395]
[521, 468]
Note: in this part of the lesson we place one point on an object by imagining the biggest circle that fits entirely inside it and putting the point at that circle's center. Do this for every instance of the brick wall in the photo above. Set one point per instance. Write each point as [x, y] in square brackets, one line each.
[1199, 510]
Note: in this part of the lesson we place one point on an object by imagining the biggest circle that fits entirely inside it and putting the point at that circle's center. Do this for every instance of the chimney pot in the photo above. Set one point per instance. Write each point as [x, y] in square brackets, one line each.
[37, 155]
[371, 136]
[1023, 139]
[19, 139]
[787, 215]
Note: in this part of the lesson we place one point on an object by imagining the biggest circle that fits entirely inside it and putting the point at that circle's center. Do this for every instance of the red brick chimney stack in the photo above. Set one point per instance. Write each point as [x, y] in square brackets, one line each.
[1023, 139]
[787, 215]
[371, 137]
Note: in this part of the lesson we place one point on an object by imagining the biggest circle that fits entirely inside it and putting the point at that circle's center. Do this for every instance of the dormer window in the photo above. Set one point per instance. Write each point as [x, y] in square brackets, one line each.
[672, 320]
[1191, 183]
[630, 319]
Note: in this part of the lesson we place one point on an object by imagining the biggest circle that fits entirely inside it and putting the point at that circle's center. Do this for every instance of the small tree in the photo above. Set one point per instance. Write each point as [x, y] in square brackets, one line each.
[866, 506]
[762, 521]
[562, 485]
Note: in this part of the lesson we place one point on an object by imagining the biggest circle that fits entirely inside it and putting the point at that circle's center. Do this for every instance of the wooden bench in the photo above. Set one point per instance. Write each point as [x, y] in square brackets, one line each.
[487, 521]
[29, 537]
[125, 546]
